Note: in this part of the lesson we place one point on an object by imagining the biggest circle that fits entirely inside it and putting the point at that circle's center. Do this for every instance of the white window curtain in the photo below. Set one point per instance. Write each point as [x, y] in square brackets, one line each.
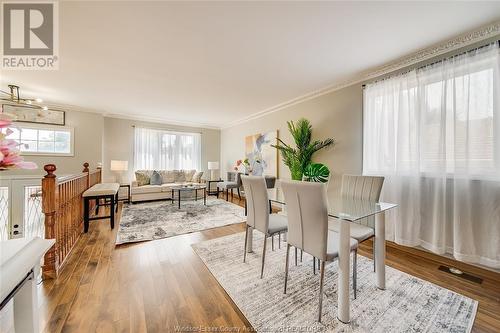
[156, 149]
[434, 133]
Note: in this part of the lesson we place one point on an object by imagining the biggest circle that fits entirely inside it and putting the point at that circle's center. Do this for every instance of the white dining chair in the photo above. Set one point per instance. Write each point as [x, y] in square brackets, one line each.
[366, 188]
[258, 214]
[307, 211]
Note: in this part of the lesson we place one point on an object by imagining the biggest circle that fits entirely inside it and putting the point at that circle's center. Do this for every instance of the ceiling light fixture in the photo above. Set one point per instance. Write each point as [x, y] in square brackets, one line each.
[13, 97]
[14, 93]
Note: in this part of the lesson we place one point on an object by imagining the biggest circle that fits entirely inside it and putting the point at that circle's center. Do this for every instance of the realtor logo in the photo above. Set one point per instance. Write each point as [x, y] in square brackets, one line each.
[30, 35]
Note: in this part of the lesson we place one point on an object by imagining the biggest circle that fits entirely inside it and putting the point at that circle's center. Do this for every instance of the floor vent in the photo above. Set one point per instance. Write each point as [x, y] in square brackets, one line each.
[458, 273]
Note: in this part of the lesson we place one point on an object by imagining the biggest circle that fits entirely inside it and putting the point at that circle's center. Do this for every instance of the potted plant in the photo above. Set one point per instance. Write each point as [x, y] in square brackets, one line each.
[298, 159]
[316, 172]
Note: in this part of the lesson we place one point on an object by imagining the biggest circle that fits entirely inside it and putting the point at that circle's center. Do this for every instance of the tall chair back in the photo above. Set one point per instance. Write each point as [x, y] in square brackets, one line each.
[362, 187]
[234, 176]
[238, 179]
[307, 211]
[257, 202]
[231, 176]
[367, 188]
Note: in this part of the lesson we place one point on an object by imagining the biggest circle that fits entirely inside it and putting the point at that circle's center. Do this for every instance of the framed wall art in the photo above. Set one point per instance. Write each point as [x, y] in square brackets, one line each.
[263, 158]
[31, 114]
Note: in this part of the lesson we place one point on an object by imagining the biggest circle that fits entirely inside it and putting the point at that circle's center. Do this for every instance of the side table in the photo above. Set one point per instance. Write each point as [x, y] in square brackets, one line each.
[127, 199]
[209, 188]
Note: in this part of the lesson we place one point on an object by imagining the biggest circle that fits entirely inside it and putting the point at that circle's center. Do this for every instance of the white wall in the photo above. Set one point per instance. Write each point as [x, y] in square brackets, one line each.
[337, 115]
[119, 143]
[88, 131]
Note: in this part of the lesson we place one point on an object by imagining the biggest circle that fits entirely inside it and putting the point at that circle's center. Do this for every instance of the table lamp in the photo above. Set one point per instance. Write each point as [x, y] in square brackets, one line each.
[212, 166]
[119, 167]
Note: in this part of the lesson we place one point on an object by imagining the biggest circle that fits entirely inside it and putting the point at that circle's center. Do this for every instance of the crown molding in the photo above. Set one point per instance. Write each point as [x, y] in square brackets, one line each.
[436, 50]
[107, 114]
[159, 120]
[464, 40]
[162, 121]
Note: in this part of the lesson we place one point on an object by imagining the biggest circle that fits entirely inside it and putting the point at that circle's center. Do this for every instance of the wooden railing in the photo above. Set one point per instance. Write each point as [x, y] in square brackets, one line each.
[62, 205]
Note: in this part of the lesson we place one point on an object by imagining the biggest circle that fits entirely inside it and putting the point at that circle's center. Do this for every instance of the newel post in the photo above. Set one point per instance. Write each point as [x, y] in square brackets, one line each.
[49, 208]
[87, 171]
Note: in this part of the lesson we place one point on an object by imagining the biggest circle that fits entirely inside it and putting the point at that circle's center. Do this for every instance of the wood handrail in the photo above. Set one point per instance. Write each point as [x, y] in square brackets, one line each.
[62, 205]
[62, 179]
[66, 178]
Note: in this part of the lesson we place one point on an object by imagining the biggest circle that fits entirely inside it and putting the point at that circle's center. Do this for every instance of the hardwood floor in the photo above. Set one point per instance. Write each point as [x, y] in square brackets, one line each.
[159, 285]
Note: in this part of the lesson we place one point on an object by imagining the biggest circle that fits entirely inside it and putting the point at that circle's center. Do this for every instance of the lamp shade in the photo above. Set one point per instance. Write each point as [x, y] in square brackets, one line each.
[119, 165]
[213, 165]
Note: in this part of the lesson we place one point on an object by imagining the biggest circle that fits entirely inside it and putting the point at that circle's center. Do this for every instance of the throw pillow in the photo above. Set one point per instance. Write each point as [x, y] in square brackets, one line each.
[167, 176]
[142, 178]
[189, 175]
[155, 178]
[197, 177]
[179, 175]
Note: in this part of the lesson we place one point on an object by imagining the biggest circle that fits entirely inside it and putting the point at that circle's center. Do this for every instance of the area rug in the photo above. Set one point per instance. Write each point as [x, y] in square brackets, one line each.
[162, 219]
[409, 304]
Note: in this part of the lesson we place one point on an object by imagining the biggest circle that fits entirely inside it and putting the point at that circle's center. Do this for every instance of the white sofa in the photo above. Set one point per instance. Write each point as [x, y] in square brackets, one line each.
[170, 178]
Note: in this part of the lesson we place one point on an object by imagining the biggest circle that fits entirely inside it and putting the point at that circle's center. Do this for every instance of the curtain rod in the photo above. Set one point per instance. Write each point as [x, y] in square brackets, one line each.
[389, 75]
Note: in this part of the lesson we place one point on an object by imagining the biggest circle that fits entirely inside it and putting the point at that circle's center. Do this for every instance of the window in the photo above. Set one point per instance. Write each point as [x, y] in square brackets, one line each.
[43, 140]
[156, 149]
[443, 118]
[434, 134]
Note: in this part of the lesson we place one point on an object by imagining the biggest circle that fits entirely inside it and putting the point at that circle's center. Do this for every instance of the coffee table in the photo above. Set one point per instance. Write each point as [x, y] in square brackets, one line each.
[189, 188]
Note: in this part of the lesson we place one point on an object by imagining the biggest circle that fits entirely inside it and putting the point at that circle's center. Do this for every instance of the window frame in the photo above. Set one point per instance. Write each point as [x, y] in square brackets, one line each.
[44, 127]
[175, 133]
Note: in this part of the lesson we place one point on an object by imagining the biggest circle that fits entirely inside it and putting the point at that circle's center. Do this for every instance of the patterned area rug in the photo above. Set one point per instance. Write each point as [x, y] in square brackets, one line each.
[408, 304]
[162, 219]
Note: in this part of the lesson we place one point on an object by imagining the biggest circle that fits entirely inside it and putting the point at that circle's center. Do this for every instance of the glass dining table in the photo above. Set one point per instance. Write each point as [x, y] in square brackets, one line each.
[348, 211]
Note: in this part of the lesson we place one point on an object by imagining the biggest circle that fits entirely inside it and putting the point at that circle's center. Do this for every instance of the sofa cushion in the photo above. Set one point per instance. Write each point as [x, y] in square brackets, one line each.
[197, 177]
[146, 189]
[143, 177]
[167, 176]
[155, 178]
[180, 176]
[189, 175]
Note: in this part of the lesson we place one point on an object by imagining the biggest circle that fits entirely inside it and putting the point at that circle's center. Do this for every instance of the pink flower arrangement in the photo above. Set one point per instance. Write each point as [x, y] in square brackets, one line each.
[238, 163]
[243, 165]
[9, 152]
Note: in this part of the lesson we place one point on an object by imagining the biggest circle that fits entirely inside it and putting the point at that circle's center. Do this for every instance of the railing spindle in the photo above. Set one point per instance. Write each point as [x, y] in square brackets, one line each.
[62, 204]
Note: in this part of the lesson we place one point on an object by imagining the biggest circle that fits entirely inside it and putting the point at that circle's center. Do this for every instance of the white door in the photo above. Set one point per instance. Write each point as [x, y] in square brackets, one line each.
[21, 208]
[5, 214]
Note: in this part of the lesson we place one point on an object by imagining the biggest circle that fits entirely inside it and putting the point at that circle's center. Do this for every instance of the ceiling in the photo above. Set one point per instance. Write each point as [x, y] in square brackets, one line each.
[216, 63]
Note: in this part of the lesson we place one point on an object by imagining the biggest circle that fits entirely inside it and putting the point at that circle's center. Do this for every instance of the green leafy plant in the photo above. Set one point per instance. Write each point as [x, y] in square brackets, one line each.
[316, 172]
[297, 159]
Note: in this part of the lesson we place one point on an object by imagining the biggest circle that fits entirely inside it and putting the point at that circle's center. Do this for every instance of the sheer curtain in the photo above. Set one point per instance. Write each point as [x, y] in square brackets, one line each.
[165, 150]
[434, 133]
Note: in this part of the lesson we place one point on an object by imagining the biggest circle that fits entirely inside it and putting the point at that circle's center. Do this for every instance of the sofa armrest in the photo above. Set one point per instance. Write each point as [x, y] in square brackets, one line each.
[134, 183]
